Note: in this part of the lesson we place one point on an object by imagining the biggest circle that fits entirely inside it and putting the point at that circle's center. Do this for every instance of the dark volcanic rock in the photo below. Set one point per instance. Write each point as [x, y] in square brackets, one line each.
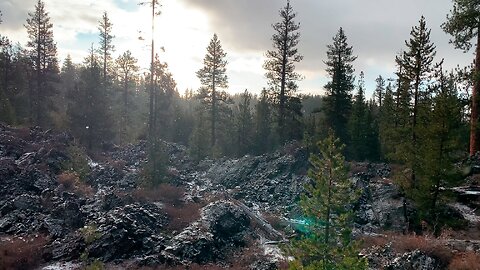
[221, 229]
[415, 260]
[128, 231]
[67, 249]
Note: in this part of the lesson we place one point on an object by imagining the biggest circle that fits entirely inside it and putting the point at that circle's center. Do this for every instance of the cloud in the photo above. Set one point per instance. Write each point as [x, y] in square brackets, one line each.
[376, 29]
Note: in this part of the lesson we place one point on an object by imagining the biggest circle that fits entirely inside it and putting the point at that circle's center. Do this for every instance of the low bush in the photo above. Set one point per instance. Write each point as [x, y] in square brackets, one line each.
[180, 216]
[71, 182]
[465, 261]
[433, 247]
[22, 253]
[166, 193]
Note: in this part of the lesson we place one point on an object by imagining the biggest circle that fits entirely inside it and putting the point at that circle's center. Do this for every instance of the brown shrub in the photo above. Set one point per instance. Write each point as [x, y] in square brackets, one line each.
[71, 182]
[21, 253]
[465, 261]
[180, 216]
[370, 241]
[165, 193]
[356, 167]
[434, 247]
[274, 220]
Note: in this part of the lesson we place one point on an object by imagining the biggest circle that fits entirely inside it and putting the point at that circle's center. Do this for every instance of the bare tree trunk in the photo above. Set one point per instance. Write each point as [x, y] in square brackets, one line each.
[474, 113]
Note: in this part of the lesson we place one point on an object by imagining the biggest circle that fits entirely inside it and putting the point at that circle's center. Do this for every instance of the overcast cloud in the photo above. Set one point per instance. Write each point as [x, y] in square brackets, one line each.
[376, 29]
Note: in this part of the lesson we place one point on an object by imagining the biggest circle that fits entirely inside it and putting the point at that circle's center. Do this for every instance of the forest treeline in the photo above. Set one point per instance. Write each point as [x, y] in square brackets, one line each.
[107, 99]
[424, 118]
[420, 118]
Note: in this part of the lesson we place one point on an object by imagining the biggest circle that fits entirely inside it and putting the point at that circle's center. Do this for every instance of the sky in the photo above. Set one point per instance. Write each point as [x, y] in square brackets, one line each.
[377, 30]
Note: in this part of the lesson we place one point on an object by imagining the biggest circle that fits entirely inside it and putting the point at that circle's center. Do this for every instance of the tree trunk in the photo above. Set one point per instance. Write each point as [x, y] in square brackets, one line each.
[214, 98]
[474, 113]
[125, 108]
[281, 115]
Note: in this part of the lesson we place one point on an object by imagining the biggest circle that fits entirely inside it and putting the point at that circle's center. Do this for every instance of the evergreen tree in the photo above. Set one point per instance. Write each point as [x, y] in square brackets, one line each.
[88, 117]
[439, 152]
[357, 125]
[262, 124]
[68, 79]
[106, 46]
[327, 205]
[380, 90]
[43, 54]
[372, 140]
[212, 77]
[387, 119]
[417, 63]
[280, 67]
[244, 124]
[126, 70]
[165, 94]
[7, 114]
[340, 69]
[199, 140]
[463, 25]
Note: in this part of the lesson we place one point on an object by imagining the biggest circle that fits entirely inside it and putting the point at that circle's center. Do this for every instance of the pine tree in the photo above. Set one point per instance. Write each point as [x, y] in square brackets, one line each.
[43, 54]
[340, 69]
[88, 117]
[387, 121]
[439, 151]
[280, 67]
[68, 78]
[165, 93]
[126, 70]
[212, 77]
[199, 140]
[263, 124]
[7, 114]
[106, 46]
[327, 205]
[357, 124]
[417, 63]
[244, 124]
[463, 25]
[380, 90]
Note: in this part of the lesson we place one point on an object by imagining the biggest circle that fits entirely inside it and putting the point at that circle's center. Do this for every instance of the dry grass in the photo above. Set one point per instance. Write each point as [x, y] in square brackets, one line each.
[71, 182]
[434, 247]
[465, 261]
[21, 253]
[165, 193]
[180, 216]
[274, 220]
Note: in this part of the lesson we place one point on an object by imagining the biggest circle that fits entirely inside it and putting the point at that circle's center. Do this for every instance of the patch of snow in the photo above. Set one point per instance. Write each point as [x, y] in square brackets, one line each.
[467, 212]
[62, 266]
[92, 164]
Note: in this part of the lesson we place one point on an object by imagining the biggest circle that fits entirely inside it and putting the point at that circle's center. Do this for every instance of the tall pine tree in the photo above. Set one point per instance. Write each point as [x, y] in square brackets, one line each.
[126, 70]
[357, 125]
[464, 25]
[339, 90]
[43, 54]
[417, 65]
[280, 67]
[213, 78]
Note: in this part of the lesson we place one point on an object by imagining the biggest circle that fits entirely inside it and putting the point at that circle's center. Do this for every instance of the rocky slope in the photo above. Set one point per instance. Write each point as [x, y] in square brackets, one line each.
[107, 217]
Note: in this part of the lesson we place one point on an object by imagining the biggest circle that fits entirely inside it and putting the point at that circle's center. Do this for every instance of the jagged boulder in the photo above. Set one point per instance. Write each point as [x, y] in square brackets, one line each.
[221, 229]
[415, 260]
[127, 232]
